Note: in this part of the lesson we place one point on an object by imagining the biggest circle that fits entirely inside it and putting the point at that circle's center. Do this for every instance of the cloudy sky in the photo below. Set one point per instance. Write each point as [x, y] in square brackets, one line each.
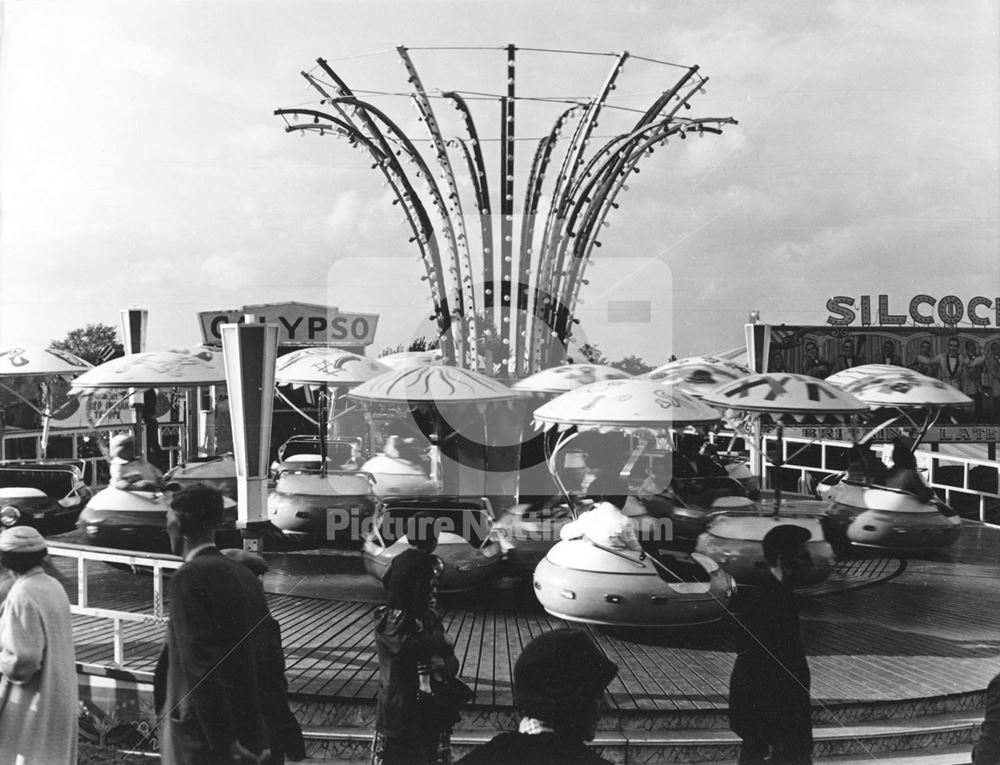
[141, 164]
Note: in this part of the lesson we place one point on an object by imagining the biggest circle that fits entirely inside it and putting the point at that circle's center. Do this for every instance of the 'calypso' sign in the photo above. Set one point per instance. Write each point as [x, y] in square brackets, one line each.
[924, 310]
[298, 324]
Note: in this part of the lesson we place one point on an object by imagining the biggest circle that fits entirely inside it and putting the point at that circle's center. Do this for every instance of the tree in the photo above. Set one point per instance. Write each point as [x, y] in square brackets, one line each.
[420, 344]
[95, 343]
[634, 365]
[592, 354]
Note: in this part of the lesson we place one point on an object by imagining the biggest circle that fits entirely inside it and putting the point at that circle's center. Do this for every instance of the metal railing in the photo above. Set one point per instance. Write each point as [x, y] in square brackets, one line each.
[83, 554]
[172, 434]
[957, 485]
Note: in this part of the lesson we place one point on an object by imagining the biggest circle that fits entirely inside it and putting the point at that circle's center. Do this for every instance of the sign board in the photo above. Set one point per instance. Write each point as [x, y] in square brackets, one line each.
[966, 357]
[937, 434]
[923, 310]
[299, 324]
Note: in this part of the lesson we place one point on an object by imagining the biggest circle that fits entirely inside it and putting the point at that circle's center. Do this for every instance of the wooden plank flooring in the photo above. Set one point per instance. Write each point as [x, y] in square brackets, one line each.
[931, 630]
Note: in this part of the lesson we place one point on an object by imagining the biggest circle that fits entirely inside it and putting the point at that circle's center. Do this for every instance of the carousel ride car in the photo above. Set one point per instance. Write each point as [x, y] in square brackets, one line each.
[591, 580]
[466, 545]
[321, 493]
[427, 400]
[217, 472]
[861, 510]
[136, 520]
[46, 495]
[733, 538]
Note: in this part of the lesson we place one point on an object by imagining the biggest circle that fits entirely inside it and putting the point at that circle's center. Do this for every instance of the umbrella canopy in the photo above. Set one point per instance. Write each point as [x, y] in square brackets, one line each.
[413, 359]
[568, 377]
[626, 405]
[319, 367]
[781, 395]
[697, 375]
[432, 384]
[201, 365]
[885, 385]
[29, 361]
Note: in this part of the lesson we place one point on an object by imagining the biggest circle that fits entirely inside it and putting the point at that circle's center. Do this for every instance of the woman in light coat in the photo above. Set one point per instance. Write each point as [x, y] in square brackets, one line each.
[39, 709]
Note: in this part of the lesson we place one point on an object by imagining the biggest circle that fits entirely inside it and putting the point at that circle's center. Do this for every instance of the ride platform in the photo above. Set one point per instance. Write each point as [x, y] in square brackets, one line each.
[888, 639]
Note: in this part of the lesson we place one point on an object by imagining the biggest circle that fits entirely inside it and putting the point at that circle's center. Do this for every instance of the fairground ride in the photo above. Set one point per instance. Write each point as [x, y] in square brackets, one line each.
[507, 285]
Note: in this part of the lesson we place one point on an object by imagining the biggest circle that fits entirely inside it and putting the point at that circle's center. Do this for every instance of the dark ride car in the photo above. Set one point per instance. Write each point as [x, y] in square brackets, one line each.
[466, 543]
[46, 495]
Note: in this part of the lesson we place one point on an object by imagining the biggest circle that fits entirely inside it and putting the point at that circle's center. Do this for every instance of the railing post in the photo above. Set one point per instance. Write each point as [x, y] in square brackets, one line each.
[81, 582]
[119, 644]
[157, 590]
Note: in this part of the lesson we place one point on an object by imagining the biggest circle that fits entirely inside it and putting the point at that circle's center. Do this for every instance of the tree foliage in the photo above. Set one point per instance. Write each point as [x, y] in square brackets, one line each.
[633, 365]
[95, 343]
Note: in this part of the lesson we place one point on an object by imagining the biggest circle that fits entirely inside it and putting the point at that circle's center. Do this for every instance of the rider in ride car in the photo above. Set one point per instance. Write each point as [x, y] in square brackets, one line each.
[903, 474]
[129, 471]
[690, 460]
[605, 524]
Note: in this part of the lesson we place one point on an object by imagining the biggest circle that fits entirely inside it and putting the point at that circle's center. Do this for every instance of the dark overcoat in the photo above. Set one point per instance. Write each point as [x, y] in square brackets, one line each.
[208, 680]
[769, 687]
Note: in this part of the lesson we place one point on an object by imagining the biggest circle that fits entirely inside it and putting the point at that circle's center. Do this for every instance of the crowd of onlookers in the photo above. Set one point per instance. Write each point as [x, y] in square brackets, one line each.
[221, 693]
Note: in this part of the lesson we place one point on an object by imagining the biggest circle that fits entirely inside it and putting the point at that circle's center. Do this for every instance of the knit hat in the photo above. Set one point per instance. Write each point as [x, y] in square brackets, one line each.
[21, 539]
[559, 672]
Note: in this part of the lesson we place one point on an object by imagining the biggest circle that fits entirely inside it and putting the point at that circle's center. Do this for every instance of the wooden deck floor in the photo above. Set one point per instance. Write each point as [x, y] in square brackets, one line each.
[932, 630]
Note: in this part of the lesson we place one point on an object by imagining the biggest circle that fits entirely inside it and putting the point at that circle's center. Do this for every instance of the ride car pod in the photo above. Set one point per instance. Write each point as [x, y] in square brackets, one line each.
[581, 581]
[46, 495]
[322, 506]
[137, 520]
[734, 541]
[876, 516]
[467, 546]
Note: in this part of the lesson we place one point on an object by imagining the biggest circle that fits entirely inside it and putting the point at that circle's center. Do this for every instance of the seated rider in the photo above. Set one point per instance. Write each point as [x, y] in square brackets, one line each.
[605, 524]
[903, 474]
[865, 466]
[130, 472]
[699, 473]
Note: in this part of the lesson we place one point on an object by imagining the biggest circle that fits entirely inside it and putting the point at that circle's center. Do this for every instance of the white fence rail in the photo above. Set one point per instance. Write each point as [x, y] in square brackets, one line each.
[84, 555]
[970, 485]
[14, 443]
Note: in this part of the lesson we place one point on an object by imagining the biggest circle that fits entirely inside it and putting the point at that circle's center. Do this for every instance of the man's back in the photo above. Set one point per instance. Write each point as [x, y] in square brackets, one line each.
[209, 675]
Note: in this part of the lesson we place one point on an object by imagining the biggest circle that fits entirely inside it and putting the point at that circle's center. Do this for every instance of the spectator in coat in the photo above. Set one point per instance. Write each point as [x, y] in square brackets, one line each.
[209, 686]
[410, 727]
[38, 689]
[559, 682]
[284, 732]
[769, 687]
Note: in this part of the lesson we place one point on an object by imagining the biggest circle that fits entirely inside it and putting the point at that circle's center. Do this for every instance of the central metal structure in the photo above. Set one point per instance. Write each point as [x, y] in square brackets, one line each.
[516, 299]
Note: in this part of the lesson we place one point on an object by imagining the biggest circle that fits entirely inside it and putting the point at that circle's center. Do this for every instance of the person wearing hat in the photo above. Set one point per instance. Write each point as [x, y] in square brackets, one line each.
[38, 689]
[559, 683]
[412, 648]
[211, 678]
[130, 472]
[769, 687]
